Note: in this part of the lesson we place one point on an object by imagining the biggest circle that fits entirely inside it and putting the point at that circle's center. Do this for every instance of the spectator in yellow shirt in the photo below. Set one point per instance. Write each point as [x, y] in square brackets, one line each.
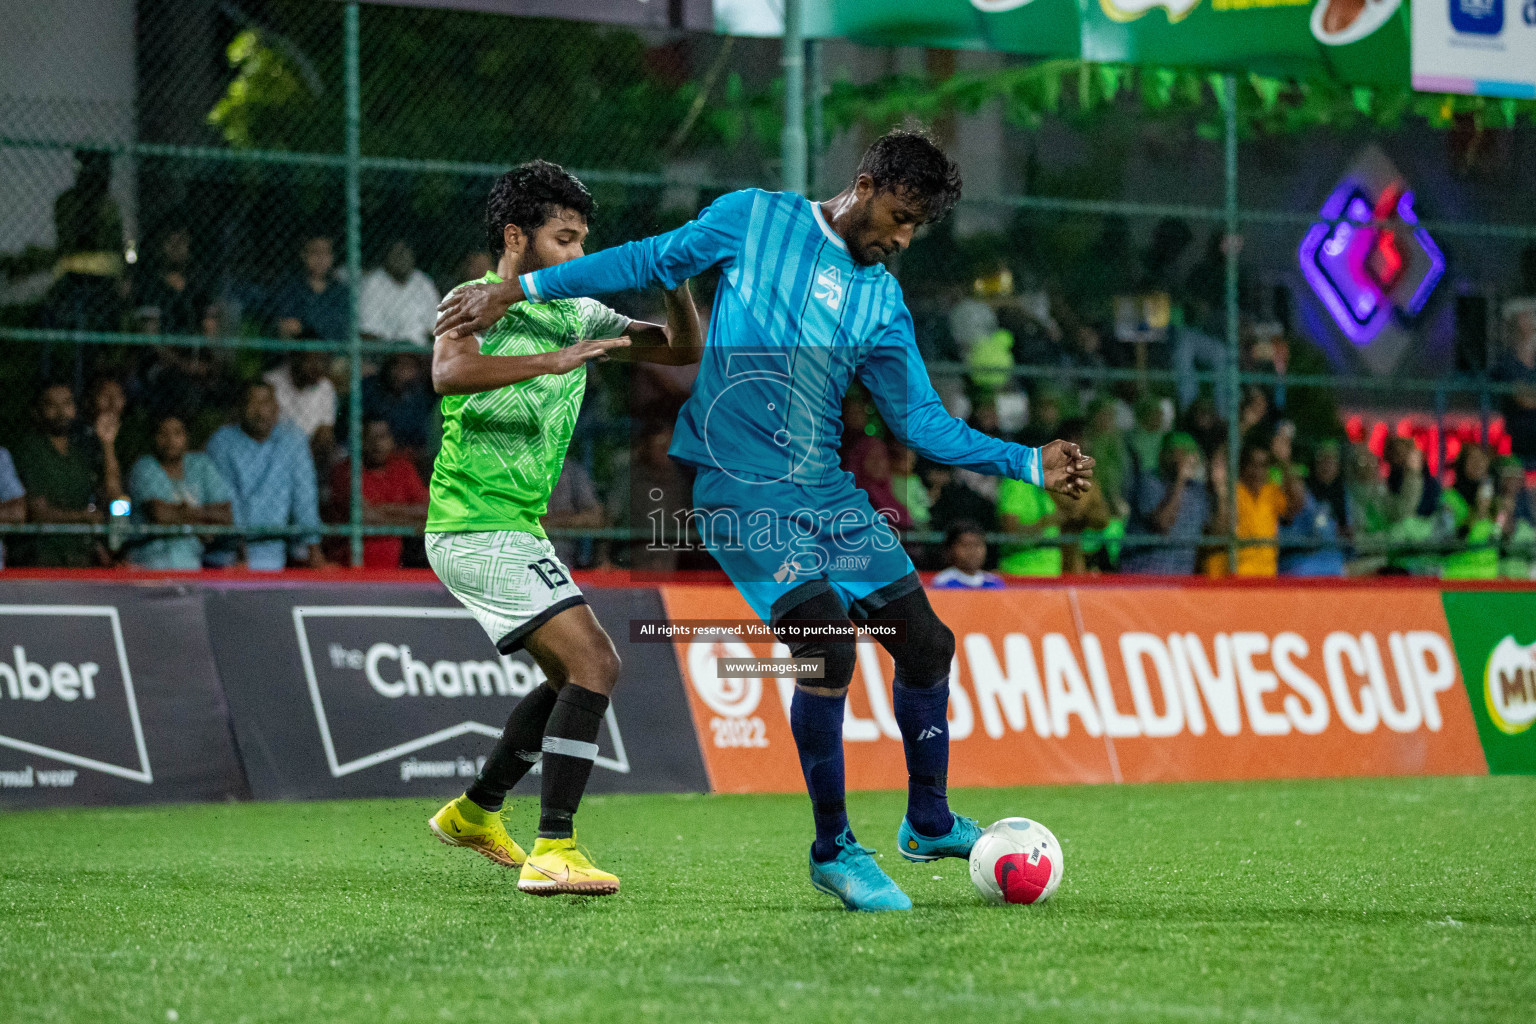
[1262, 505]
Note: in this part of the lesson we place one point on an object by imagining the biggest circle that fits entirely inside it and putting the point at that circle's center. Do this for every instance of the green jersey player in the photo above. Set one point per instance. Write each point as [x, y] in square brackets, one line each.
[511, 396]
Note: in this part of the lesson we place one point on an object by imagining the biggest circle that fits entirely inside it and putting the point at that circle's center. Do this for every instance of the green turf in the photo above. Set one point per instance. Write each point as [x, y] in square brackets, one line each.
[1359, 901]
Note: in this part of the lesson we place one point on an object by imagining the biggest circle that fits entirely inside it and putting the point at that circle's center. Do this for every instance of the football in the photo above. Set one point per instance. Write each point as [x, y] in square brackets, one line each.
[1016, 861]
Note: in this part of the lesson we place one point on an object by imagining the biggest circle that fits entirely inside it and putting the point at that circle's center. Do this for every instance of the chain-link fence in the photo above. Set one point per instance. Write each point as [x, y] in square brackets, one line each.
[280, 191]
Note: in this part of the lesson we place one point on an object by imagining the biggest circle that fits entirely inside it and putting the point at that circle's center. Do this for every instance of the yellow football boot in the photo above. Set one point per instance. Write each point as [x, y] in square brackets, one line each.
[461, 822]
[557, 866]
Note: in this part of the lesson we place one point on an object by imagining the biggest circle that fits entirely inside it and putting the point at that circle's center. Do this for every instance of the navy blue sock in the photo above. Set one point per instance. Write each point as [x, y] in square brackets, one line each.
[817, 724]
[920, 712]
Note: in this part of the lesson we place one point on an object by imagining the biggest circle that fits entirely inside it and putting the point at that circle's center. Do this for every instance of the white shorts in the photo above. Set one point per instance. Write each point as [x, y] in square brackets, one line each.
[512, 582]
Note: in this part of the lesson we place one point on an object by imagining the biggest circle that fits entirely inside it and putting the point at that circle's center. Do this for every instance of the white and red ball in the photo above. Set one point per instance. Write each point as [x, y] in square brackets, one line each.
[1016, 860]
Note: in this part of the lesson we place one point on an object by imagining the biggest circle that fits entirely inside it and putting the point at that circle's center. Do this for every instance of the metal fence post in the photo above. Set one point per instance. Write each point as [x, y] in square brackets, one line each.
[792, 142]
[1234, 387]
[815, 73]
[354, 280]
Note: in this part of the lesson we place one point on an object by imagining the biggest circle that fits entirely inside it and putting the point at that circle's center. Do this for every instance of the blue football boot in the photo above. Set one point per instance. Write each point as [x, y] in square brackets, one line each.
[957, 842]
[854, 877]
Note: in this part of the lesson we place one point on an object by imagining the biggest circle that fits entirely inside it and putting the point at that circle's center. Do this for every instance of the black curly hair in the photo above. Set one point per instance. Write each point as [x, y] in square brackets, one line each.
[908, 161]
[528, 195]
[959, 528]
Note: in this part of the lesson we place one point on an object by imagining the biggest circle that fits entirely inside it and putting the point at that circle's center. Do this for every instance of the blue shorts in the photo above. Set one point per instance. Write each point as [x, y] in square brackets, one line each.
[782, 543]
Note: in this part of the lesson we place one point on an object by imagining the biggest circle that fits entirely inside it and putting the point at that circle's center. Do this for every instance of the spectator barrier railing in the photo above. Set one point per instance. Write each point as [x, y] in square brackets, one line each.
[627, 533]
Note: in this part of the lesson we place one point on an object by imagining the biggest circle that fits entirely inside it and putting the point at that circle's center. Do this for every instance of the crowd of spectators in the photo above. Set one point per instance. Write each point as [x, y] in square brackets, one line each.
[1340, 511]
[122, 450]
[274, 466]
[250, 498]
[1306, 500]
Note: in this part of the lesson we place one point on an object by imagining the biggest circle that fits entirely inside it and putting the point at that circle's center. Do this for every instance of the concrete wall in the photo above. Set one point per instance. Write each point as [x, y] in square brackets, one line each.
[66, 75]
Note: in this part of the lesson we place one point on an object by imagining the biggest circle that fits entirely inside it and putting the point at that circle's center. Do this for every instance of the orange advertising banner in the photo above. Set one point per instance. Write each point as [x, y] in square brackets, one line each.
[1120, 684]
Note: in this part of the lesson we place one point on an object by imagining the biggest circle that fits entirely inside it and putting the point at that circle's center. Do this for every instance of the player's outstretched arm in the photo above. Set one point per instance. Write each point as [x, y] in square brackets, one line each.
[898, 381]
[680, 342]
[460, 368]
[666, 260]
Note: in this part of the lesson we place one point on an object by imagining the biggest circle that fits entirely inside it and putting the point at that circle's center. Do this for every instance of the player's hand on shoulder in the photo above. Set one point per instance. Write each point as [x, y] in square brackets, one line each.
[572, 356]
[1066, 469]
[472, 308]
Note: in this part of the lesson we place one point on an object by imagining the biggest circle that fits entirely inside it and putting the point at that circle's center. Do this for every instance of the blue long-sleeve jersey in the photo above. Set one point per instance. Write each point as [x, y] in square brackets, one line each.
[795, 318]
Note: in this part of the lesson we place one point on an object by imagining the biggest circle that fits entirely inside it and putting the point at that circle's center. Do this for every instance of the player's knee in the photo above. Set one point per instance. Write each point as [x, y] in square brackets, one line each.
[924, 659]
[927, 667]
[598, 670]
[838, 661]
[608, 668]
[838, 657]
[944, 647]
[556, 680]
[838, 668]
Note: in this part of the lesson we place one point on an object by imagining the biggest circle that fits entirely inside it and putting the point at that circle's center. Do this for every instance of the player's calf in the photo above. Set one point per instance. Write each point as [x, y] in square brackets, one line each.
[921, 706]
[816, 721]
[474, 820]
[517, 749]
[570, 747]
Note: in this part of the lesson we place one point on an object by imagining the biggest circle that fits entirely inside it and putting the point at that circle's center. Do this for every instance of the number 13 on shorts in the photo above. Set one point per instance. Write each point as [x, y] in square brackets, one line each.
[551, 572]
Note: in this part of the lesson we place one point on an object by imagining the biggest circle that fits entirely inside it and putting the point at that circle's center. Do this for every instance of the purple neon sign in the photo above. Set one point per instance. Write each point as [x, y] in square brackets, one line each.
[1370, 256]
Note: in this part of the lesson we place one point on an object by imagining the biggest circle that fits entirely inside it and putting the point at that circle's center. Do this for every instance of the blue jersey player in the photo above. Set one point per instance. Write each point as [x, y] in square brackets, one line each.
[805, 306]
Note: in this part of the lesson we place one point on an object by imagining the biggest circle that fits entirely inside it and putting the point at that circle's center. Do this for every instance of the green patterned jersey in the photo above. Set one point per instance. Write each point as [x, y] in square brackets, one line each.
[503, 450]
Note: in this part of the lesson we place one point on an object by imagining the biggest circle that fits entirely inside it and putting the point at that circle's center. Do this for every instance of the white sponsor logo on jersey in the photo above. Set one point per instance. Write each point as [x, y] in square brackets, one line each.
[829, 287]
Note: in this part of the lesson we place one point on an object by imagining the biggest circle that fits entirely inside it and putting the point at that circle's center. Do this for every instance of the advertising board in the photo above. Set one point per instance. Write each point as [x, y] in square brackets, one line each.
[1132, 684]
[394, 691]
[109, 695]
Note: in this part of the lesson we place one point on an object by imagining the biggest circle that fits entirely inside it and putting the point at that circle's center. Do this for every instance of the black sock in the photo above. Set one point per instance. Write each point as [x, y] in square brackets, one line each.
[516, 751]
[570, 745]
[920, 713]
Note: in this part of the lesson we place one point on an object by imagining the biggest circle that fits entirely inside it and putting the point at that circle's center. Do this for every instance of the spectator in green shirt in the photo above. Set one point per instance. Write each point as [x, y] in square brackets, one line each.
[1145, 440]
[1513, 521]
[1468, 507]
[1112, 458]
[1029, 511]
[64, 482]
[908, 486]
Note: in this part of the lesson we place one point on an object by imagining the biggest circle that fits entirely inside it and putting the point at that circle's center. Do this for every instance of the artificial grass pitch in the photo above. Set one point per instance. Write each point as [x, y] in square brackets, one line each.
[1376, 900]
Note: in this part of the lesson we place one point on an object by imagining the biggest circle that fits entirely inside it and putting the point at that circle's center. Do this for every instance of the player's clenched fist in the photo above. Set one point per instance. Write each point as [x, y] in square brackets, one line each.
[1066, 469]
